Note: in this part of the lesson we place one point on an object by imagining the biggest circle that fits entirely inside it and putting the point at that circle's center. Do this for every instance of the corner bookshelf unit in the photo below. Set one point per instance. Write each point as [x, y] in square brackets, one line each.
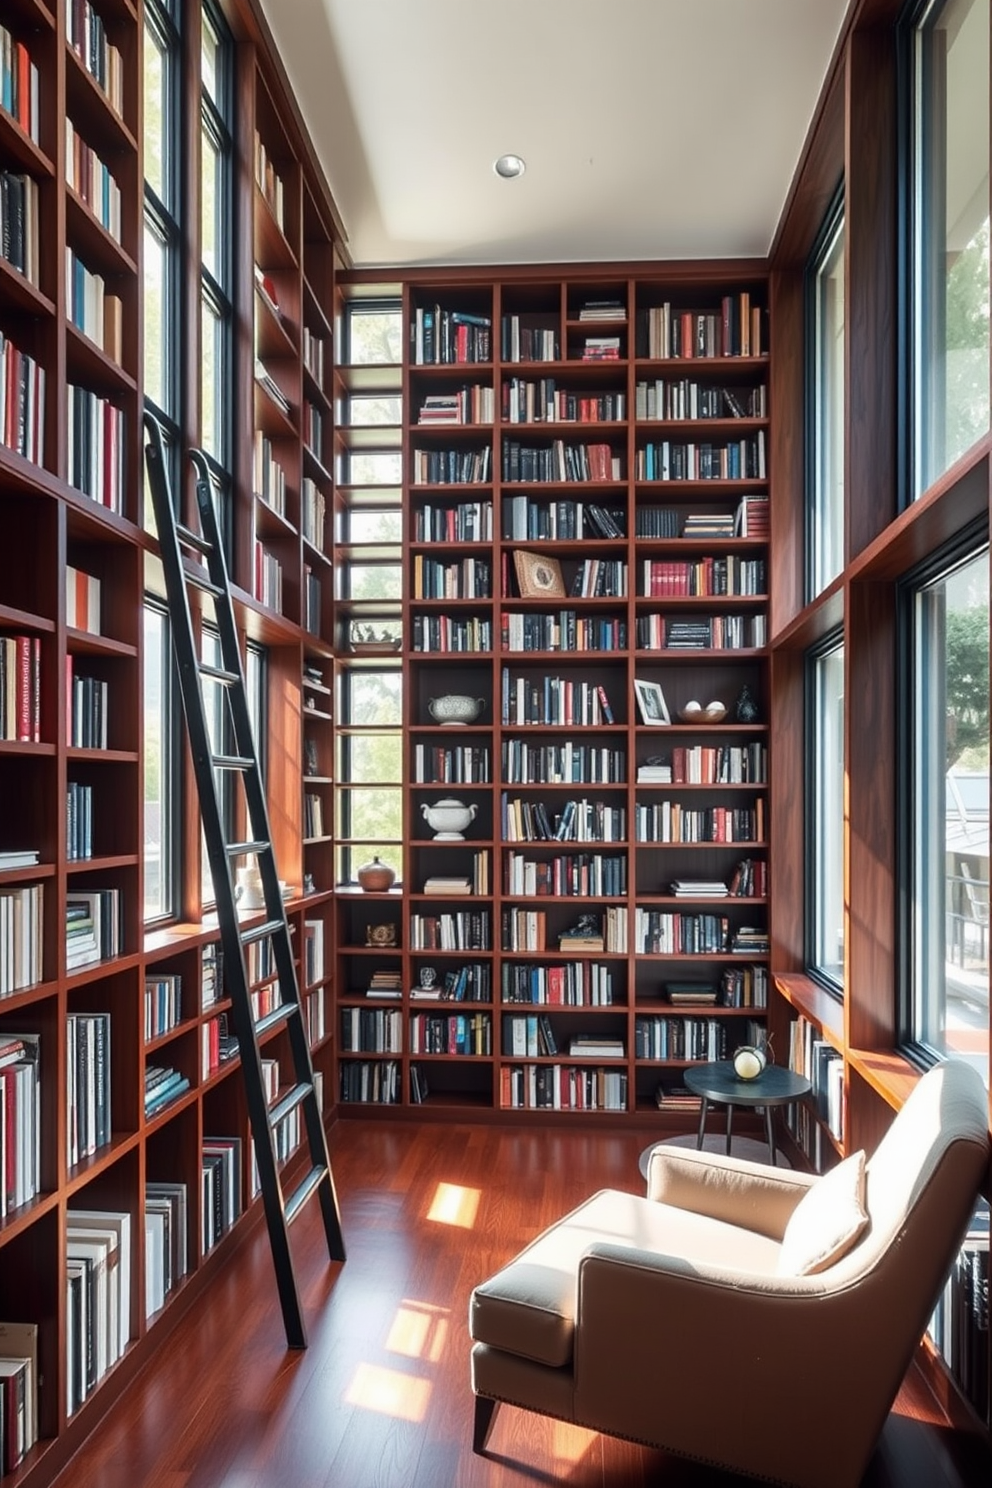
[584, 486]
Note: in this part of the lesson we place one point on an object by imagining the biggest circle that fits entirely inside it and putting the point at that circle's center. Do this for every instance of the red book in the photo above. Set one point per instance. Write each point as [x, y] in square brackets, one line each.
[23, 74]
[25, 691]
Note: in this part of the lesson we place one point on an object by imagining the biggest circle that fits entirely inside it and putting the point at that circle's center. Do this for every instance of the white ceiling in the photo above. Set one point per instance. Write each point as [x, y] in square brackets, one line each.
[650, 128]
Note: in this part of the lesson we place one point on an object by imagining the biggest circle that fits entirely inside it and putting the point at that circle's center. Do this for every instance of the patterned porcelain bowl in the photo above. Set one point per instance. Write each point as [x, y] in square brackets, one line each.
[455, 707]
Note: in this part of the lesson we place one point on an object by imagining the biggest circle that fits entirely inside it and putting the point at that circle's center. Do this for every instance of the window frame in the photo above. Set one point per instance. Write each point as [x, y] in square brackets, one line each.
[832, 642]
[833, 227]
[969, 543]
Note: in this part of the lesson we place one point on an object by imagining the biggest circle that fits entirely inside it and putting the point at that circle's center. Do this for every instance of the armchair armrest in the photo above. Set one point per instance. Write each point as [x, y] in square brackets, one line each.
[753, 1195]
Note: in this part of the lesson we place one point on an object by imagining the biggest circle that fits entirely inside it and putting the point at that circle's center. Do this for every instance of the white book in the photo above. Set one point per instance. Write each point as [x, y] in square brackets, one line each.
[115, 1223]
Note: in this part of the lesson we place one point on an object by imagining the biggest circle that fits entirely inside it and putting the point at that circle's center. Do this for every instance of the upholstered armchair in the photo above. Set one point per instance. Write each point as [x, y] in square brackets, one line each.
[752, 1317]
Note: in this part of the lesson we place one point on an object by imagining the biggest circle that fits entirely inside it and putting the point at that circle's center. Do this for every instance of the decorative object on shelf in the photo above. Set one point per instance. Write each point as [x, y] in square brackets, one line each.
[448, 819]
[746, 709]
[455, 708]
[309, 884]
[538, 577]
[585, 935]
[310, 757]
[376, 877]
[366, 640]
[428, 978]
[248, 890]
[380, 935]
[651, 703]
[694, 712]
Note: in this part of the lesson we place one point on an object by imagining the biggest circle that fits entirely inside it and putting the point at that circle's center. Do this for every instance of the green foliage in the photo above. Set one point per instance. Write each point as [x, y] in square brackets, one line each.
[967, 682]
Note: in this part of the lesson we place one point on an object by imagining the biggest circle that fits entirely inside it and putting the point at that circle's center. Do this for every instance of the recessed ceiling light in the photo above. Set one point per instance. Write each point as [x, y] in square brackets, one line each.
[509, 166]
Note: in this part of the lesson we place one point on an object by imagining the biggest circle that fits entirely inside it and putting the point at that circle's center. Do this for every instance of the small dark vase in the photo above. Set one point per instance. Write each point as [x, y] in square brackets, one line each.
[746, 709]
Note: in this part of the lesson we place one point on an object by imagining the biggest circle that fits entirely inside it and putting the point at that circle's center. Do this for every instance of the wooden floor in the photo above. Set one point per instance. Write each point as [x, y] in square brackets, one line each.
[381, 1398]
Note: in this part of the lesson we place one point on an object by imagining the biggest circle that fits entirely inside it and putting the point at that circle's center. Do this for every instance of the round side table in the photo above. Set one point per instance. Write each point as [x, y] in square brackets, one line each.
[718, 1083]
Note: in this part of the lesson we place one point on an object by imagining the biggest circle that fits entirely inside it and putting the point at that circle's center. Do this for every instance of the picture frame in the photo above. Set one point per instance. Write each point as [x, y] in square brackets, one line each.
[538, 577]
[651, 703]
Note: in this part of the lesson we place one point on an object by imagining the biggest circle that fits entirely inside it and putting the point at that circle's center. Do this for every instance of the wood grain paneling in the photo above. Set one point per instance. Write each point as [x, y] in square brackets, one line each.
[788, 448]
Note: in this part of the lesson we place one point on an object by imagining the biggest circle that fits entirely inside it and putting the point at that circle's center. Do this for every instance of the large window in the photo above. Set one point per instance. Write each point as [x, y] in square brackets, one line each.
[216, 258]
[947, 622]
[825, 826]
[825, 481]
[950, 221]
[162, 225]
[161, 793]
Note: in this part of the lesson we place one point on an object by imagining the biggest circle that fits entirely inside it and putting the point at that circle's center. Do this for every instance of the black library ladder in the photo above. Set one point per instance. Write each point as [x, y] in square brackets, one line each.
[206, 571]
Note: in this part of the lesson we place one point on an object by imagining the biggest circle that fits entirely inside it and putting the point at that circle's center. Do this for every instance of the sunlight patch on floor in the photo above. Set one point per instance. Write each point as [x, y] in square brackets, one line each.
[571, 1443]
[389, 1392]
[454, 1204]
[419, 1331]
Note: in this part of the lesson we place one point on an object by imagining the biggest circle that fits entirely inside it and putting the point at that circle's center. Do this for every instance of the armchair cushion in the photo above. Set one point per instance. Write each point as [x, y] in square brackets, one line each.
[827, 1221]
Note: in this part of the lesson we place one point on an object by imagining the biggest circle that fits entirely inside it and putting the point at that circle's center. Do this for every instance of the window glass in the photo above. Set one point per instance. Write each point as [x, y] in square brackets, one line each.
[373, 468]
[951, 233]
[214, 398]
[210, 58]
[374, 408]
[160, 805]
[210, 201]
[361, 525]
[256, 687]
[156, 110]
[373, 698]
[155, 302]
[375, 335]
[827, 495]
[826, 826]
[373, 581]
[950, 850]
[373, 757]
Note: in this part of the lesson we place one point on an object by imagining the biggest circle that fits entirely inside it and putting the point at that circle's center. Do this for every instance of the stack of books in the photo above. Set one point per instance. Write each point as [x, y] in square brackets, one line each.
[711, 524]
[699, 888]
[385, 984]
[445, 886]
[592, 1046]
[162, 1087]
[691, 994]
[601, 349]
[654, 772]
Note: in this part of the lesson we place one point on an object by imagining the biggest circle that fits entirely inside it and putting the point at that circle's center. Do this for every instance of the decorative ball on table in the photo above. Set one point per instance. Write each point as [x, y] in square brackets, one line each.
[749, 1062]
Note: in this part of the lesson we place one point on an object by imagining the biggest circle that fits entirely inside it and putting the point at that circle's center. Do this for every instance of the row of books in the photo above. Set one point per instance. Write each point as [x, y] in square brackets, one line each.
[702, 633]
[960, 1323]
[163, 1004]
[748, 519]
[447, 337]
[371, 1030]
[693, 1038]
[312, 428]
[22, 402]
[20, 87]
[556, 702]
[685, 399]
[313, 952]
[267, 577]
[166, 1241]
[573, 875]
[87, 36]
[365, 1080]
[565, 630]
[87, 709]
[568, 763]
[20, 1119]
[162, 1085]
[736, 329]
[527, 929]
[96, 443]
[313, 512]
[709, 764]
[560, 461]
[469, 983]
[460, 764]
[221, 1185]
[98, 1298]
[268, 477]
[574, 821]
[312, 600]
[467, 521]
[20, 688]
[544, 402]
[79, 821]
[573, 984]
[94, 929]
[18, 1393]
[465, 578]
[21, 938]
[218, 1046]
[88, 1103]
[559, 1087]
[741, 459]
[19, 222]
[703, 576]
[663, 933]
[469, 635]
[313, 355]
[454, 1033]
[92, 181]
[99, 315]
[527, 520]
[269, 183]
[467, 405]
[466, 930]
[82, 600]
[673, 821]
[822, 1063]
[315, 1016]
[451, 467]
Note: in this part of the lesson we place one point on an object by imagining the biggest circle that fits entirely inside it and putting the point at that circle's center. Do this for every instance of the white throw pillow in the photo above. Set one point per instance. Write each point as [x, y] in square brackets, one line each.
[827, 1221]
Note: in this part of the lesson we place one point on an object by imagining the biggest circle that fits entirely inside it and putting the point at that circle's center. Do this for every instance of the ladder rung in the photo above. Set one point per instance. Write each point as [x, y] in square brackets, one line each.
[232, 761]
[239, 849]
[299, 1196]
[280, 1014]
[218, 674]
[259, 932]
[191, 539]
[294, 1097]
[200, 581]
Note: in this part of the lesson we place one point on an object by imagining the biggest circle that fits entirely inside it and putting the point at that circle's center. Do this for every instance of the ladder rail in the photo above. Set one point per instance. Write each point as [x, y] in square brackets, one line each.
[275, 926]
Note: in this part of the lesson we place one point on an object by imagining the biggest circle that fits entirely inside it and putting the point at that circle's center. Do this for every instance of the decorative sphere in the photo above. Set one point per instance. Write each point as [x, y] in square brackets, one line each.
[748, 1063]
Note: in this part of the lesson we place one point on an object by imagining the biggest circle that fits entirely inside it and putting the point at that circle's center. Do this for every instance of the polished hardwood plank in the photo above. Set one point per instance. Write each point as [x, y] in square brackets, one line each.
[381, 1397]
